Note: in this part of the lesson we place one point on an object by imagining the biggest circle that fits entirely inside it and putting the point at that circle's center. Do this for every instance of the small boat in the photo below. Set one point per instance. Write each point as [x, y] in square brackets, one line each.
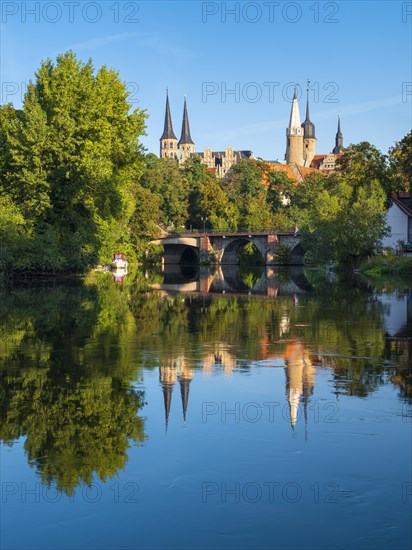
[119, 262]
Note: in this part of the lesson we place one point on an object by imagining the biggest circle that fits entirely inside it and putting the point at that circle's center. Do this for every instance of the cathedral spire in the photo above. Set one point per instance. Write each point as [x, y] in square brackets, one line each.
[185, 138]
[294, 135]
[294, 122]
[337, 150]
[168, 127]
[307, 125]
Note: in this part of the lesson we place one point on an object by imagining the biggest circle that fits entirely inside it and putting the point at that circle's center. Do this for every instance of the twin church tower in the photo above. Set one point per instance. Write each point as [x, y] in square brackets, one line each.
[301, 139]
[300, 142]
[169, 146]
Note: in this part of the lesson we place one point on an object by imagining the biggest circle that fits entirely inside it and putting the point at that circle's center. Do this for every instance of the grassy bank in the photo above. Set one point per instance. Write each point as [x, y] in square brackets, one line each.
[377, 266]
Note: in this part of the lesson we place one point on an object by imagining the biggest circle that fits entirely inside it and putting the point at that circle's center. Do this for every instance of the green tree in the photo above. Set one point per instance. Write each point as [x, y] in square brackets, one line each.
[349, 223]
[165, 179]
[244, 186]
[70, 161]
[400, 157]
[363, 162]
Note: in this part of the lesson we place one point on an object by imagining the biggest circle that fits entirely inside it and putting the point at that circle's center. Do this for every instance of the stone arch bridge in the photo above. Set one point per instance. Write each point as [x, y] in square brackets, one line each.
[222, 248]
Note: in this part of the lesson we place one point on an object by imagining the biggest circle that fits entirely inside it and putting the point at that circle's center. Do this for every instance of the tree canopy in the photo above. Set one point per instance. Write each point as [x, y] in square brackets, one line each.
[69, 164]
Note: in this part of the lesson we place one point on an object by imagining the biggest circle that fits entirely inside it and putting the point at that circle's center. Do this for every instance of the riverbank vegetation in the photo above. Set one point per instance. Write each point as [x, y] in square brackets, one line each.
[77, 185]
[376, 266]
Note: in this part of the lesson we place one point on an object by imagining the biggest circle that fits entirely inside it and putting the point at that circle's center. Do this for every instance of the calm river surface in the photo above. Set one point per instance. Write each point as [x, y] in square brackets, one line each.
[235, 410]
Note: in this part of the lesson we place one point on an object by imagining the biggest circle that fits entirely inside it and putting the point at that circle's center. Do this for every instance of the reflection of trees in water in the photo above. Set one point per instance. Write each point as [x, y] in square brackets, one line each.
[68, 356]
[65, 381]
[341, 323]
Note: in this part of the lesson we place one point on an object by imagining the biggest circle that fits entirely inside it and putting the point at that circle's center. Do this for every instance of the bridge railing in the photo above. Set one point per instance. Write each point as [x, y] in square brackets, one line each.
[230, 231]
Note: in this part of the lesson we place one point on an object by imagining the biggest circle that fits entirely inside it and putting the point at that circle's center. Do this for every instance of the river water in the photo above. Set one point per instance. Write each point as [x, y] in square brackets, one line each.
[225, 410]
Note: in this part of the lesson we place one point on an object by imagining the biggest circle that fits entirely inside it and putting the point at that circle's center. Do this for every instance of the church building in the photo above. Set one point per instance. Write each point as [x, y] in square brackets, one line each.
[301, 141]
[170, 147]
[300, 154]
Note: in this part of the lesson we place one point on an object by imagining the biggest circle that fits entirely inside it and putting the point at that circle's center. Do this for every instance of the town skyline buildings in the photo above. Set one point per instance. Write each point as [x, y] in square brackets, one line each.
[300, 141]
[235, 72]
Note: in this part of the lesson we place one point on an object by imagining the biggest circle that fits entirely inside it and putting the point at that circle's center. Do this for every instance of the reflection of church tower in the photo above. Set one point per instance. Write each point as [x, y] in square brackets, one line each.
[167, 377]
[300, 379]
[309, 139]
[168, 141]
[294, 135]
[186, 145]
[337, 150]
[185, 377]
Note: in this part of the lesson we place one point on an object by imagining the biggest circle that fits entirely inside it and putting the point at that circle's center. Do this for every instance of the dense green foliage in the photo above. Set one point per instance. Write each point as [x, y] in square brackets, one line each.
[401, 162]
[376, 266]
[70, 161]
[75, 185]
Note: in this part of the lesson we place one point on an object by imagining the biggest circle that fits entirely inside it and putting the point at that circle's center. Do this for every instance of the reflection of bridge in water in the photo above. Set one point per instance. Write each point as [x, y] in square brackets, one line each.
[231, 280]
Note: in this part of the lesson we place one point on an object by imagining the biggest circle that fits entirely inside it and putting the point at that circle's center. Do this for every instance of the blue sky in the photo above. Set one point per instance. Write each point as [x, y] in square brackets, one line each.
[357, 56]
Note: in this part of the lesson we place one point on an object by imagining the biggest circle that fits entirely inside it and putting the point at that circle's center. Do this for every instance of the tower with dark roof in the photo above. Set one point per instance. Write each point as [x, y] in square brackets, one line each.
[294, 135]
[168, 141]
[186, 144]
[309, 138]
[337, 150]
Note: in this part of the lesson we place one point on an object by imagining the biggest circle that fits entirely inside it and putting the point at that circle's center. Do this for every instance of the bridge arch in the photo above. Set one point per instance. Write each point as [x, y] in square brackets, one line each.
[190, 255]
[235, 246]
[297, 254]
[180, 254]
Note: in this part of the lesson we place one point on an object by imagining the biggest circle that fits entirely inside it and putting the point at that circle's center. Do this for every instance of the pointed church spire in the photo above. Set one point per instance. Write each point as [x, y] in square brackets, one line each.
[185, 137]
[307, 125]
[184, 390]
[168, 128]
[167, 396]
[337, 150]
[339, 133]
[294, 122]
